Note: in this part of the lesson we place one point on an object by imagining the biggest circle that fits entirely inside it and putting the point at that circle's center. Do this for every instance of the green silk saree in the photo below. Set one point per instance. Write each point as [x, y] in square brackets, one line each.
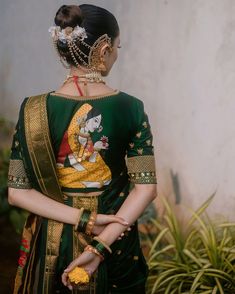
[84, 152]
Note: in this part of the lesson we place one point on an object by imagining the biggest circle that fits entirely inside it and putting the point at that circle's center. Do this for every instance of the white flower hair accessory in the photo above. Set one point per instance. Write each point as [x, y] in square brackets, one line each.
[67, 34]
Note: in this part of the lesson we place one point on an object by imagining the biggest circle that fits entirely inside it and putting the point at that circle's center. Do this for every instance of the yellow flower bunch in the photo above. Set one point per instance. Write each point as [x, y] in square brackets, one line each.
[78, 276]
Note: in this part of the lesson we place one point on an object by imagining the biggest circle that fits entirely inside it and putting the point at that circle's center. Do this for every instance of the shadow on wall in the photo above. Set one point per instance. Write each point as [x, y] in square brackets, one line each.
[176, 187]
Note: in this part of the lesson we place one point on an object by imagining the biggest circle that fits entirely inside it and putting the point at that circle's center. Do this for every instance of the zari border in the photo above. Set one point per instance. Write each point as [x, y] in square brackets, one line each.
[17, 177]
[39, 145]
[43, 161]
[139, 164]
[54, 233]
[80, 240]
[141, 169]
[84, 194]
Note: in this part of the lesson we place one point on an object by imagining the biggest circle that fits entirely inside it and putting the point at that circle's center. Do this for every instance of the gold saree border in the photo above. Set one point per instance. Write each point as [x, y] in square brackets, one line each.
[41, 153]
[54, 233]
[42, 156]
[80, 240]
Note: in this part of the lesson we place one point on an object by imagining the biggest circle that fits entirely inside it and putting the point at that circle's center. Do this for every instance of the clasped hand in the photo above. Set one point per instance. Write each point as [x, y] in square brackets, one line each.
[89, 260]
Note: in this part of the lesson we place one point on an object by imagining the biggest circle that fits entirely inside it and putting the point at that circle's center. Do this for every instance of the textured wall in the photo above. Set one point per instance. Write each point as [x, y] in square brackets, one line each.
[177, 55]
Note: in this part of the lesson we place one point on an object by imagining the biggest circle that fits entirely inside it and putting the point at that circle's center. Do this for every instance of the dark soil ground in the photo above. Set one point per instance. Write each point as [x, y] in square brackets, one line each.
[9, 250]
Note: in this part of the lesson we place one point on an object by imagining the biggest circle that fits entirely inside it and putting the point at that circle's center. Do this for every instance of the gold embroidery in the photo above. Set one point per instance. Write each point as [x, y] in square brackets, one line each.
[138, 135]
[145, 125]
[122, 194]
[148, 142]
[145, 163]
[89, 202]
[141, 169]
[17, 177]
[143, 178]
[140, 151]
[132, 145]
[86, 195]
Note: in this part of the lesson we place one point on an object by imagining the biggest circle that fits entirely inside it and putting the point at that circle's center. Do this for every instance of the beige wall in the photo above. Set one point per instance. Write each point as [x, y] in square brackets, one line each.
[177, 55]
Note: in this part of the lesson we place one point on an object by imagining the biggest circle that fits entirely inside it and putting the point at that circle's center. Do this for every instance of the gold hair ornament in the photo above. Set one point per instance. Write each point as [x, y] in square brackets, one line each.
[78, 34]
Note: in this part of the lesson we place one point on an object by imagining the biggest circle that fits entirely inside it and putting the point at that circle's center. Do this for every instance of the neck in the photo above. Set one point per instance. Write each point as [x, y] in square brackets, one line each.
[74, 71]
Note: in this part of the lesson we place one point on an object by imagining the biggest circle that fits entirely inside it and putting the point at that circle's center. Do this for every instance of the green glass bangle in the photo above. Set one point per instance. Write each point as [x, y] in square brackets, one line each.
[83, 221]
[100, 248]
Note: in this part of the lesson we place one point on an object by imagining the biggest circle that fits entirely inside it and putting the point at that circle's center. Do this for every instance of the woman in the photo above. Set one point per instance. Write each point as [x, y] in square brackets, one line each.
[76, 153]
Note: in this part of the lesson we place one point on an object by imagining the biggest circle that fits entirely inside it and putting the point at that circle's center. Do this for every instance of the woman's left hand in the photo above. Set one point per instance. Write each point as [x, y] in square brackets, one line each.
[88, 260]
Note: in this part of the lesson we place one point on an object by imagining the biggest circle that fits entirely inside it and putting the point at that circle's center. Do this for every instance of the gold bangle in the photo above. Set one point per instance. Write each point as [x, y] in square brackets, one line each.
[93, 250]
[78, 219]
[103, 243]
[91, 223]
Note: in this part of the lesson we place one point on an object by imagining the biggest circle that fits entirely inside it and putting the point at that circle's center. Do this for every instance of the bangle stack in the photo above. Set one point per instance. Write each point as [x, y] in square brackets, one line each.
[80, 212]
[86, 221]
[94, 250]
[101, 247]
[91, 223]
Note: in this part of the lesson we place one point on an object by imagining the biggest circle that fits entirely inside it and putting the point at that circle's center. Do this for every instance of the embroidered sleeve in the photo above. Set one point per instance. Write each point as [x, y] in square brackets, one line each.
[17, 175]
[140, 153]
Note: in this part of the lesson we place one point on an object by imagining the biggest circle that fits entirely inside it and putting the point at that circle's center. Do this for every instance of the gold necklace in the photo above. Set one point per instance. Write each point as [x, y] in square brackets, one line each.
[92, 77]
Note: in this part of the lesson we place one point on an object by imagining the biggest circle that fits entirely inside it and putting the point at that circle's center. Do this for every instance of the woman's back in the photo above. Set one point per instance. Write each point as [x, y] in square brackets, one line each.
[75, 153]
[92, 135]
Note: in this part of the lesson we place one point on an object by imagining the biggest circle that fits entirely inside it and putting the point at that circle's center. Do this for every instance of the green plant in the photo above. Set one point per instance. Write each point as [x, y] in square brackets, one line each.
[198, 258]
[15, 215]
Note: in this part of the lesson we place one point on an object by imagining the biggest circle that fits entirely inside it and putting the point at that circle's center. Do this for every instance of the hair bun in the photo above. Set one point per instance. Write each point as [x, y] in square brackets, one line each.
[65, 10]
[69, 16]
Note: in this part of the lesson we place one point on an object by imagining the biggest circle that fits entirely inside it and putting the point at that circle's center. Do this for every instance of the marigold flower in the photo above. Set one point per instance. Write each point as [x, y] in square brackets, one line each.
[78, 276]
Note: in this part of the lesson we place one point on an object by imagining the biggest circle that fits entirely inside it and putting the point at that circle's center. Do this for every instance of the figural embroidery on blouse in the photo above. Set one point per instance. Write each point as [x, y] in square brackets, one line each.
[79, 163]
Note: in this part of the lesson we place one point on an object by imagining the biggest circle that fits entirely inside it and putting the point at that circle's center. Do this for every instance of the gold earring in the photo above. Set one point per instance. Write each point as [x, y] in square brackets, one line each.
[101, 66]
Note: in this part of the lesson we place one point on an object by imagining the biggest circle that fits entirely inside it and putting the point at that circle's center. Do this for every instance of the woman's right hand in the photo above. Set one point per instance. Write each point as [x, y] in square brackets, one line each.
[103, 220]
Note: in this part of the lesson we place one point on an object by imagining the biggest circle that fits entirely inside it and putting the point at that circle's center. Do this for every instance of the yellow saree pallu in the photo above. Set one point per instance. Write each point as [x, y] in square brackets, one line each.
[44, 166]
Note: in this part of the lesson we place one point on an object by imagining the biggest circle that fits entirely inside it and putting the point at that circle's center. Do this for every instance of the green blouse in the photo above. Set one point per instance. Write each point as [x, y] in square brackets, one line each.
[95, 140]
[101, 144]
